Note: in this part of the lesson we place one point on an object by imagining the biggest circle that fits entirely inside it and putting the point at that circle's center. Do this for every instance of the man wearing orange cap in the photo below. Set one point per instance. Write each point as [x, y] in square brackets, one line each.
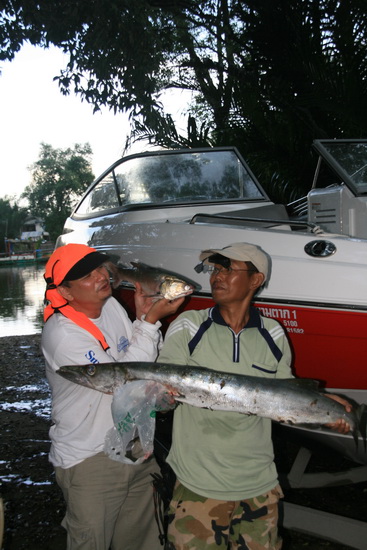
[109, 503]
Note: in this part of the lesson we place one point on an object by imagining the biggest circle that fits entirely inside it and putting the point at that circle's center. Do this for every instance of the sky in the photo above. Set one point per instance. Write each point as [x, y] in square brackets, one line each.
[33, 110]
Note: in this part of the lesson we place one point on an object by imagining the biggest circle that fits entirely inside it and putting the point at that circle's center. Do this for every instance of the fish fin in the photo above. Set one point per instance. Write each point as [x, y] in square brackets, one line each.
[136, 265]
[361, 425]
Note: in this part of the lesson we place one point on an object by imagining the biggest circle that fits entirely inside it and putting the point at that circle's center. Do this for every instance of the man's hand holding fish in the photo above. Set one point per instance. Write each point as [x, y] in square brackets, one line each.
[341, 426]
[152, 309]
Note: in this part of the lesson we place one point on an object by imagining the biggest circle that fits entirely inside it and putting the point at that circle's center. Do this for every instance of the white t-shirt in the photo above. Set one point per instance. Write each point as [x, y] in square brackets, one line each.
[82, 416]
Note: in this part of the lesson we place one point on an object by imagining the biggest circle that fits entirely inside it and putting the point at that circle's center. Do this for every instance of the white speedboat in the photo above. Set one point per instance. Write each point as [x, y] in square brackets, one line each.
[162, 208]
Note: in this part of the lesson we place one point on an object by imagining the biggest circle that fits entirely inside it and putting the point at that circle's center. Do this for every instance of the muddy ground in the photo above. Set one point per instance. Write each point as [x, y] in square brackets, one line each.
[33, 503]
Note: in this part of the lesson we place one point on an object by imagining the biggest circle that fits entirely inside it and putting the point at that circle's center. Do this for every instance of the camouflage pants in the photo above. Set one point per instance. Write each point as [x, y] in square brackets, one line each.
[199, 523]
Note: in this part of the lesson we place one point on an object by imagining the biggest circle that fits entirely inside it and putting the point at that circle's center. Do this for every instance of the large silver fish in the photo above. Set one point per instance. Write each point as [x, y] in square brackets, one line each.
[291, 401]
[156, 282]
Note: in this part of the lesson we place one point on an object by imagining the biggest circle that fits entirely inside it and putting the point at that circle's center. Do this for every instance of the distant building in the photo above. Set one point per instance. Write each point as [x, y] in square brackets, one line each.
[33, 229]
[32, 246]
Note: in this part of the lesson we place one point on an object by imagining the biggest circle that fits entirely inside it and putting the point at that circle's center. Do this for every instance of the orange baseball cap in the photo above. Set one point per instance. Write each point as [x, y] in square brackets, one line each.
[71, 262]
[68, 263]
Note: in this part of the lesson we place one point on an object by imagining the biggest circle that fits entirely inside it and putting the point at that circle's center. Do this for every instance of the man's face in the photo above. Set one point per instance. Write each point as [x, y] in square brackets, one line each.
[233, 284]
[92, 289]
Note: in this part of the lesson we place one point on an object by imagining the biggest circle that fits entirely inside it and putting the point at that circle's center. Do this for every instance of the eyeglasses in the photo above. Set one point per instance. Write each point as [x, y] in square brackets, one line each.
[225, 270]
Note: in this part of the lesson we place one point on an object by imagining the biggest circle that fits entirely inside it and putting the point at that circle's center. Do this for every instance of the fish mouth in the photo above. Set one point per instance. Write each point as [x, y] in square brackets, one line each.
[188, 289]
[185, 292]
[172, 289]
[84, 378]
[71, 376]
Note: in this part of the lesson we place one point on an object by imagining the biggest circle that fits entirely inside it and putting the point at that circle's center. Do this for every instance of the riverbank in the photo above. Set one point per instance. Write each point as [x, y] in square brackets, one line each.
[33, 503]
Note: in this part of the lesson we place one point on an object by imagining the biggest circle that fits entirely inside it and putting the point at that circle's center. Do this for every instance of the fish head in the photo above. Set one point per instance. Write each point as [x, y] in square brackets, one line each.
[96, 377]
[172, 288]
[155, 282]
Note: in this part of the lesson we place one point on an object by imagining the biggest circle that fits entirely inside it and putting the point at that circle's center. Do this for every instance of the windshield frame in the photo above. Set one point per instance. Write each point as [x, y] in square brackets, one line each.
[324, 149]
[120, 206]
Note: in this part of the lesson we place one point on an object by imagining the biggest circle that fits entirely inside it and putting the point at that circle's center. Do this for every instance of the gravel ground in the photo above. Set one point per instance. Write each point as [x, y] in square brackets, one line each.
[33, 503]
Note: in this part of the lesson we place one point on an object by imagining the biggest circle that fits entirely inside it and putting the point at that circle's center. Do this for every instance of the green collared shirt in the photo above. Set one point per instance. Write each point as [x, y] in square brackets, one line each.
[218, 454]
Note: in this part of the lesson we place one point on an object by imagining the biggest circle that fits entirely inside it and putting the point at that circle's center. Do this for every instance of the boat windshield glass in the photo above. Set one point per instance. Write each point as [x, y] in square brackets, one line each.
[173, 178]
[349, 159]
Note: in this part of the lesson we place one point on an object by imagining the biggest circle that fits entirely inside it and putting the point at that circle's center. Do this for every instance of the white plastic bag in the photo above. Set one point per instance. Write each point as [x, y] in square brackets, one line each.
[134, 408]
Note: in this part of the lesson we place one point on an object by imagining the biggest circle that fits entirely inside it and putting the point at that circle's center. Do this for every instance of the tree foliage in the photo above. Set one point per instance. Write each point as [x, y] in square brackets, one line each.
[12, 217]
[59, 177]
[268, 77]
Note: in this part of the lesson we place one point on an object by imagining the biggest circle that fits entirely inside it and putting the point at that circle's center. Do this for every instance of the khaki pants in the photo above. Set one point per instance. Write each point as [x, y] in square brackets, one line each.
[109, 505]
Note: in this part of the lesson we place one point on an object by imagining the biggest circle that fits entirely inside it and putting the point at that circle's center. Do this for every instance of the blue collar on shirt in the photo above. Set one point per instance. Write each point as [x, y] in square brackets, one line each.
[255, 321]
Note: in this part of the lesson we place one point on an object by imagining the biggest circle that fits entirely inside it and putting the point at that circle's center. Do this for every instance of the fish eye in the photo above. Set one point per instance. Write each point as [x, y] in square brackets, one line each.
[91, 370]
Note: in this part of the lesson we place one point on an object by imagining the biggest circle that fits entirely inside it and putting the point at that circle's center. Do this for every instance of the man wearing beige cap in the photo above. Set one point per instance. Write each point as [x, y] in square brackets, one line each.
[227, 489]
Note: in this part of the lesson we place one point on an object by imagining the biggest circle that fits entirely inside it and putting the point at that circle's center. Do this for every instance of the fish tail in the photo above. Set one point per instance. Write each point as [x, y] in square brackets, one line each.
[361, 425]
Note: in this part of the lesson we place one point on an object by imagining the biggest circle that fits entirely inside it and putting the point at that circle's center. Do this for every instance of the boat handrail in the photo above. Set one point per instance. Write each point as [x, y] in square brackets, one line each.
[297, 223]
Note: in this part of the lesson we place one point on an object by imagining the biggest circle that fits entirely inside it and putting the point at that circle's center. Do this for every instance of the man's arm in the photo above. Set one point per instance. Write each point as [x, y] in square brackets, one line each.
[175, 348]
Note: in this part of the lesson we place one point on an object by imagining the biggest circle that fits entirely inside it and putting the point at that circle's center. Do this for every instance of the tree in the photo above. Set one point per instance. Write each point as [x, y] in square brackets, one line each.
[59, 177]
[11, 219]
[308, 81]
[266, 76]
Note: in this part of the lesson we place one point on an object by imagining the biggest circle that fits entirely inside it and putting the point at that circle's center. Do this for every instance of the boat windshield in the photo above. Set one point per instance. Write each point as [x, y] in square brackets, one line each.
[174, 177]
[348, 158]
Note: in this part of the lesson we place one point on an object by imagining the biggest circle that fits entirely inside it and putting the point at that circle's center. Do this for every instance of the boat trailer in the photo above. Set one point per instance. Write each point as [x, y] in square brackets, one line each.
[317, 523]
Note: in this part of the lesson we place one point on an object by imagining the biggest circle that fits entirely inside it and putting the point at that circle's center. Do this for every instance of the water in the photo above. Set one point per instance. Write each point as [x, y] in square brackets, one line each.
[22, 291]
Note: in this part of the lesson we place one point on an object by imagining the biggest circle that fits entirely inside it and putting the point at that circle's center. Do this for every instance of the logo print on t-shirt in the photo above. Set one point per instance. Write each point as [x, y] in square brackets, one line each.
[123, 344]
[91, 357]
